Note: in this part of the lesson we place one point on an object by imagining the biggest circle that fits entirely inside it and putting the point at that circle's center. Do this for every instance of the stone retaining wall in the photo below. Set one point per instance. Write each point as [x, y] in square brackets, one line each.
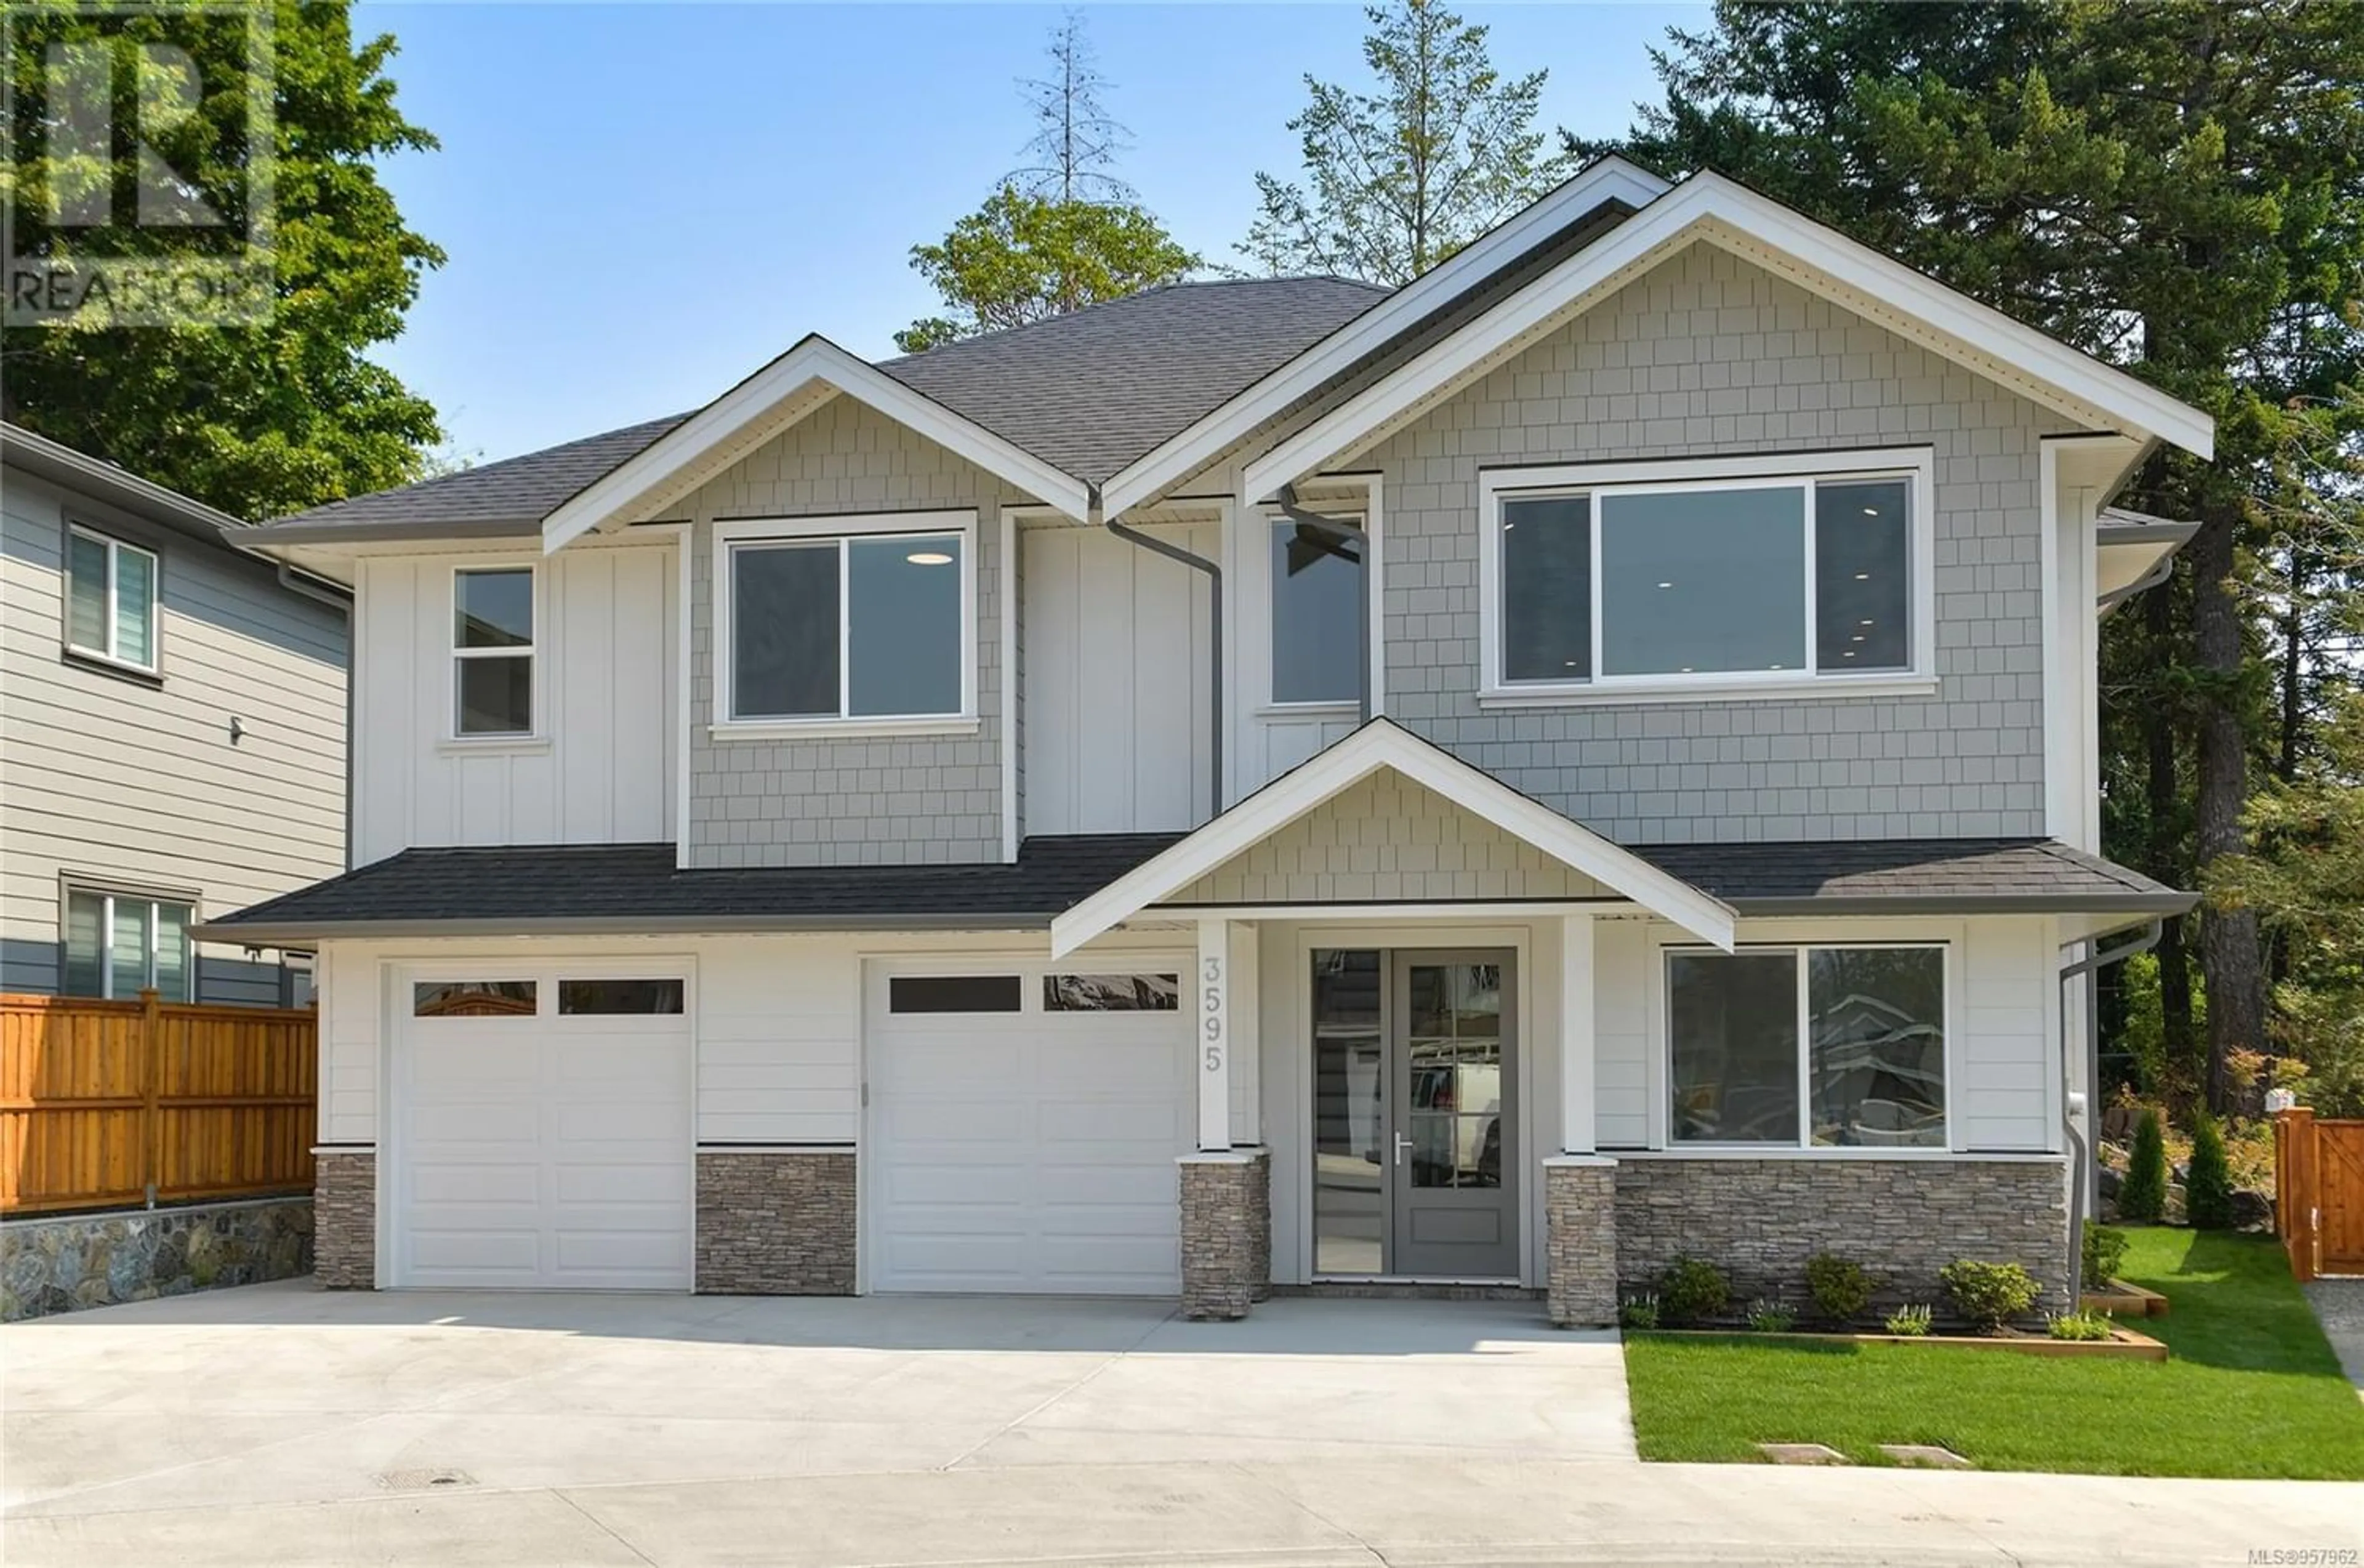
[776, 1224]
[344, 1217]
[1759, 1220]
[70, 1262]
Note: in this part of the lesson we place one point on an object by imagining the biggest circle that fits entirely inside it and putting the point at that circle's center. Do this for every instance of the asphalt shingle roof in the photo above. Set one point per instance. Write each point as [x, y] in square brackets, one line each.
[556, 886]
[1087, 392]
[636, 887]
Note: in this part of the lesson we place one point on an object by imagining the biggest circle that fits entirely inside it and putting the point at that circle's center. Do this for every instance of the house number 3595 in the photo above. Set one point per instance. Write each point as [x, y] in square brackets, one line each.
[1210, 1009]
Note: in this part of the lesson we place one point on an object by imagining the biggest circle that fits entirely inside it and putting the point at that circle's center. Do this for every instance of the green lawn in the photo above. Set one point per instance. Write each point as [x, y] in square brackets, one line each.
[2251, 1389]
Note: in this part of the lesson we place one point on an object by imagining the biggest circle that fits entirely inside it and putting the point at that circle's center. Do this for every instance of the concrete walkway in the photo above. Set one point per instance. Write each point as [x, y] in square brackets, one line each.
[280, 1425]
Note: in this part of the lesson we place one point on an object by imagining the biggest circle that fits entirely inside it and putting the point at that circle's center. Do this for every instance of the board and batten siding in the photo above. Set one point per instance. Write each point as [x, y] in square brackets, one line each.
[601, 769]
[2003, 1067]
[847, 800]
[140, 785]
[1112, 640]
[1707, 355]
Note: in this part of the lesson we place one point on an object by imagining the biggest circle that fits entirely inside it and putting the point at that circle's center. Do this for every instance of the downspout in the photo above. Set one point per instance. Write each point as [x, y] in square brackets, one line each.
[1214, 633]
[1338, 527]
[2092, 963]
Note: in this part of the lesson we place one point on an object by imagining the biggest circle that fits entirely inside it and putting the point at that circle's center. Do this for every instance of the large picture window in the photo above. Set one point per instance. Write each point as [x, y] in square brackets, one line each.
[492, 651]
[847, 627]
[110, 599]
[1628, 582]
[1824, 1046]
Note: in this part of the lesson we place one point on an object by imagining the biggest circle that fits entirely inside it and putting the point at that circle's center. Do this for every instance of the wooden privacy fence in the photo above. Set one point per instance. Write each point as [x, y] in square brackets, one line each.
[2319, 1193]
[109, 1103]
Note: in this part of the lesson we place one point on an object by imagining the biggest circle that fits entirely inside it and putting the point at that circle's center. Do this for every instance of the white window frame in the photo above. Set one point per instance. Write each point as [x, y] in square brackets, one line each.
[1661, 1027]
[842, 529]
[112, 591]
[536, 730]
[1354, 498]
[110, 897]
[1915, 465]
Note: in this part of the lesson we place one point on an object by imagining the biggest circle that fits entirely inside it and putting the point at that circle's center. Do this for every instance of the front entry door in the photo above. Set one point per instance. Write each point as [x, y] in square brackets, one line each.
[1415, 1119]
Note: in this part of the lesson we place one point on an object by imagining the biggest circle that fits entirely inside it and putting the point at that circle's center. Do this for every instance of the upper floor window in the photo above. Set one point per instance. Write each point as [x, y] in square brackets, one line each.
[119, 944]
[1707, 577]
[815, 626]
[110, 599]
[492, 651]
[1317, 613]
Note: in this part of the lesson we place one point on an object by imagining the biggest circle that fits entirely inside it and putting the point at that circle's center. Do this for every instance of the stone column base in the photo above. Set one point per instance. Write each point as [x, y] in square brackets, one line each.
[775, 1222]
[344, 1219]
[1580, 1239]
[1226, 1233]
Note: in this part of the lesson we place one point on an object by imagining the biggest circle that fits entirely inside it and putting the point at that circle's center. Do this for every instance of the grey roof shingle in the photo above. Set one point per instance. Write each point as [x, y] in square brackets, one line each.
[1087, 392]
[1885, 872]
[579, 887]
[584, 887]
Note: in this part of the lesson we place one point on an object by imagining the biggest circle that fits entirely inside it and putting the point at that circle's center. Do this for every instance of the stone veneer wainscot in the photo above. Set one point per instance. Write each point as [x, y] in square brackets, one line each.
[1759, 1220]
[776, 1222]
[1226, 1232]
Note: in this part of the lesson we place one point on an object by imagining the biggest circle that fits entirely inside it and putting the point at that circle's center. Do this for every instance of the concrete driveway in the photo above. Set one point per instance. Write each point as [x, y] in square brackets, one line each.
[280, 1424]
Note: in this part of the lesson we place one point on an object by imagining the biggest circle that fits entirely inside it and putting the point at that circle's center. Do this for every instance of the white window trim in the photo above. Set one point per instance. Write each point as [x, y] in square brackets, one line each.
[1916, 465]
[841, 528]
[1321, 707]
[109, 896]
[536, 737]
[1666, 946]
[112, 653]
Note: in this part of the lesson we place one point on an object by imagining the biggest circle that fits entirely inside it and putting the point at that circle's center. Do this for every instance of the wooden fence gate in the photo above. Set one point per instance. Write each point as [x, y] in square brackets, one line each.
[112, 1104]
[2319, 1193]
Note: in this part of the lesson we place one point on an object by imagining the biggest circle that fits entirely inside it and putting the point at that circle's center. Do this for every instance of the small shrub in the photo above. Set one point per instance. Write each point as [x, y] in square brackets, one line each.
[1771, 1316]
[2078, 1326]
[2105, 1252]
[1691, 1291]
[2208, 1180]
[1912, 1322]
[1839, 1286]
[1988, 1295]
[2142, 1197]
[1638, 1312]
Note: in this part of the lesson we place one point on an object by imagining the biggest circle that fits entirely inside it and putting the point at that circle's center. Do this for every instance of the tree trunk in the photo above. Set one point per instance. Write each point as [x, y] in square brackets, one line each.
[2231, 961]
[2162, 798]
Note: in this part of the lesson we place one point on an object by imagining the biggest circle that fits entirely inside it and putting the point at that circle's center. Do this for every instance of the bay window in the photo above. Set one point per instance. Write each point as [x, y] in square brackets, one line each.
[1811, 1045]
[814, 628]
[1611, 578]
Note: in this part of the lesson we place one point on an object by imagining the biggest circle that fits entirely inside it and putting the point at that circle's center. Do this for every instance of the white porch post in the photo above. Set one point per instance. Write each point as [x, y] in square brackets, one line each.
[1577, 1051]
[1211, 1046]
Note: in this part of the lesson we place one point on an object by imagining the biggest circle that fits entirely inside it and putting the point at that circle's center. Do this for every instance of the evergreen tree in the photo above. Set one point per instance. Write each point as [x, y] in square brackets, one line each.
[2208, 1178]
[2142, 1196]
[1397, 180]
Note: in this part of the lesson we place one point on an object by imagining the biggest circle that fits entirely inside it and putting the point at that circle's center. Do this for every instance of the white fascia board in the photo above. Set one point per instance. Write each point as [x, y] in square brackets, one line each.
[1711, 208]
[814, 366]
[1383, 744]
[1206, 438]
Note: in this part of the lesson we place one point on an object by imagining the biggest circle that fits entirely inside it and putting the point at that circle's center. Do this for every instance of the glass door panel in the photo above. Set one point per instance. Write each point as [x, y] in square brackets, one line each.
[1349, 1119]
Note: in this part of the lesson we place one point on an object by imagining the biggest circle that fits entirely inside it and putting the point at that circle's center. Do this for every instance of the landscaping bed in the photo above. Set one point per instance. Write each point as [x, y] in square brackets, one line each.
[2124, 1344]
[2252, 1388]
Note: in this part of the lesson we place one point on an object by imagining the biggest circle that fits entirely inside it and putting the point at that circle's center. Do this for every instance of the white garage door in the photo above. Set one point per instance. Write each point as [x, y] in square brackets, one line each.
[544, 1133]
[1025, 1129]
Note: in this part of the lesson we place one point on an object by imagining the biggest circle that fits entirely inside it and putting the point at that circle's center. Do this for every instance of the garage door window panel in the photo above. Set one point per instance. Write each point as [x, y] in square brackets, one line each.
[596, 998]
[954, 993]
[1111, 992]
[473, 999]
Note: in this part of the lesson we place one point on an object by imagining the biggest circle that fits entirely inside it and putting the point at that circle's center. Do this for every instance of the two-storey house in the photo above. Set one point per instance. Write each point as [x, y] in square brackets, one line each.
[172, 736]
[1586, 758]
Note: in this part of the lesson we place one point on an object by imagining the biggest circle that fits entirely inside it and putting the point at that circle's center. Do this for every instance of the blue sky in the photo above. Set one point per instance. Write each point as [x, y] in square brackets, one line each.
[641, 203]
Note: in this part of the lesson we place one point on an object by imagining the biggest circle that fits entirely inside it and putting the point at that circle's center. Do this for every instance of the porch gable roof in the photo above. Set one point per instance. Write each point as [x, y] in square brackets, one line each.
[1382, 743]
